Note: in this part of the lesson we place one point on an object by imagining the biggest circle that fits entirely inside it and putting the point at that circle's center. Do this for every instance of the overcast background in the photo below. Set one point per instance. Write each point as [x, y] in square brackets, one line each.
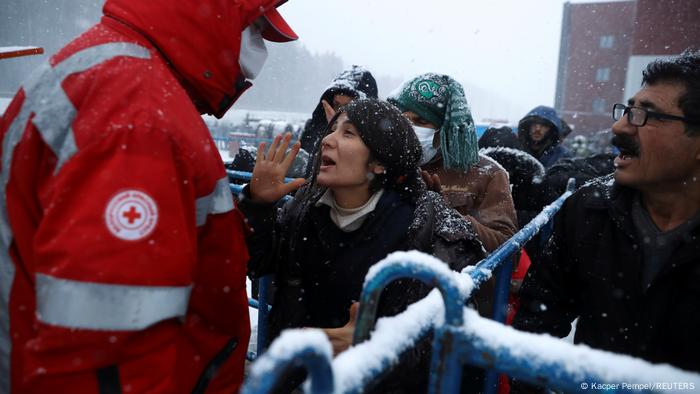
[505, 52]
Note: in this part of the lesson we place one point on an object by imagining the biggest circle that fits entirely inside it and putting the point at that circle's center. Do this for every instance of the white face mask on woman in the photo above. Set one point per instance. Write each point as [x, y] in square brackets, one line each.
[253, 51]
[425, 137]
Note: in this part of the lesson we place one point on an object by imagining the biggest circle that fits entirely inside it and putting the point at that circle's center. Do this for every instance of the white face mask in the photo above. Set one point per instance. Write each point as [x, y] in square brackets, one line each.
[253, 51]
[425, 137]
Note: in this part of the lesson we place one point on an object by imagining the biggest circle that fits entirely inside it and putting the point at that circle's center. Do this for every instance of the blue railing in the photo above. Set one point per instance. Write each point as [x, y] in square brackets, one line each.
[499, 260]
[462, 337]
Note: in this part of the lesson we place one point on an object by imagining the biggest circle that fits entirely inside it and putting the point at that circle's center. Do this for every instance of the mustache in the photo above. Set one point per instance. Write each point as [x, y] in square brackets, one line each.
[626, 144]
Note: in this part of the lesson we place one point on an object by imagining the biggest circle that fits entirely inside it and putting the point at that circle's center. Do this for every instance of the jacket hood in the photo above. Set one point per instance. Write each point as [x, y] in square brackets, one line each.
[356, 82]
[540, 114]
[200, 39]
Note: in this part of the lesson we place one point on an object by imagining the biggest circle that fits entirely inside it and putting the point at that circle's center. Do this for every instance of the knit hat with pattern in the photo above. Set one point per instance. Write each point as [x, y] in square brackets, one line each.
[440, 100]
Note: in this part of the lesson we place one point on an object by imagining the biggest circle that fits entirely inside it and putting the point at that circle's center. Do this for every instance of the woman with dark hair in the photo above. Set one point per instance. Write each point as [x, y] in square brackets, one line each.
[365, 200]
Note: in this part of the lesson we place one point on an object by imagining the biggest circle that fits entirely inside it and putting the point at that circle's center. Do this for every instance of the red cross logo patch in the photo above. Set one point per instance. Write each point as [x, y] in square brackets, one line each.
[131, 215]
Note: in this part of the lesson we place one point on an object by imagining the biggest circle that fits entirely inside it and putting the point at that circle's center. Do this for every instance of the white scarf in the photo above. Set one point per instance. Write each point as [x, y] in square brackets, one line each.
[349, 219]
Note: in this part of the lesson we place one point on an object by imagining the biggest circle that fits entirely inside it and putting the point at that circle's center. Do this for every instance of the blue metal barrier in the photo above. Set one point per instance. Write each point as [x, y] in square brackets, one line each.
[308, 349]
[465, 337]
[381, 275]
[245, 176]
[500, 261]
[445, 377]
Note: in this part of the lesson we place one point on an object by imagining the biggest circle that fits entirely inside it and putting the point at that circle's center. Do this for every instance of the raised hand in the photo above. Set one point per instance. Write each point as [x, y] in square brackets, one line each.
[267, 183]
[328, 109]
[432, 182]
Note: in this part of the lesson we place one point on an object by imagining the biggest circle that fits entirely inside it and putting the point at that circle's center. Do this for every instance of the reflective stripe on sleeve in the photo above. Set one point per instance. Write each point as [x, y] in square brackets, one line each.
[53, 117]
[218, 201]
[97, 306]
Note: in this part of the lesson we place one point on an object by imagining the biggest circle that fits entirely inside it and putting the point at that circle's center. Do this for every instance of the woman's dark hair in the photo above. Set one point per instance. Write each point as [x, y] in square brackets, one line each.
[391, 142]
[683, 69]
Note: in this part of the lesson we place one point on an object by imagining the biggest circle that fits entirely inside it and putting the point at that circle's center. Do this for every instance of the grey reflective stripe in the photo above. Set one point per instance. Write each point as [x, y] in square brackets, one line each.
[97, 306]
[218, 201]
[53, 117]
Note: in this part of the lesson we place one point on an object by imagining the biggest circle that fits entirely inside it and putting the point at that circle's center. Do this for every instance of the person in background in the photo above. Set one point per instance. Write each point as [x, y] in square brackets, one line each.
[473, 184]
[503, 137]
[540, 133]
[353, 83]
[364, 200]
[623, 257]
[524, 171]
[123, 256]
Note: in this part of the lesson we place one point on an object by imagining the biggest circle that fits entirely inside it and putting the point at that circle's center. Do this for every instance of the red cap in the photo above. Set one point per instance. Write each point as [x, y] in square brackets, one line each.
[279, 30]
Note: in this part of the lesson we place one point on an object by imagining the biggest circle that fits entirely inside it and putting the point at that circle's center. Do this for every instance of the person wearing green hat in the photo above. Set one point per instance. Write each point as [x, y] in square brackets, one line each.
[473, 184]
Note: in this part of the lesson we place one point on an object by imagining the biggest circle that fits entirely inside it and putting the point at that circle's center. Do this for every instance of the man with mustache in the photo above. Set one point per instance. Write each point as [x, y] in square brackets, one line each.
[122, 254]
[624, 257]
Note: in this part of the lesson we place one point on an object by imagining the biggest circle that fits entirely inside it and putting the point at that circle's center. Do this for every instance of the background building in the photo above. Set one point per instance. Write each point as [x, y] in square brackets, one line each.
[604, 48]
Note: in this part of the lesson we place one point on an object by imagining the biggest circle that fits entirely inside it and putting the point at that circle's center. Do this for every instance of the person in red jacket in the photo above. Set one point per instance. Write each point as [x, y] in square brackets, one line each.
[122, 255]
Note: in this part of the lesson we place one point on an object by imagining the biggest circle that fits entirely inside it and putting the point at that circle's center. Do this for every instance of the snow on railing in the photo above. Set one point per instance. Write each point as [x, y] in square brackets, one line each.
[461, 335]
[546, 360]
[358, 366]
[424, 267]
[306, 348]
[363, 362]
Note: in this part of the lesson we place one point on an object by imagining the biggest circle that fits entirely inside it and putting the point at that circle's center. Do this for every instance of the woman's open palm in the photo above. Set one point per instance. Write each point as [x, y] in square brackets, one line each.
[267, 183]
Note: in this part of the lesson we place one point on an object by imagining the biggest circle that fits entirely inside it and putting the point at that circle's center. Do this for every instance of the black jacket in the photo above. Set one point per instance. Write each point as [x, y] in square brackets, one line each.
[525, 174]
[592, 269]
[319, 270]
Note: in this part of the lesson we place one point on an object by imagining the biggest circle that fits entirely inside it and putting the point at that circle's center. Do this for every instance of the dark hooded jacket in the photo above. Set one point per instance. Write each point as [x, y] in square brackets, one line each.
[550, 149]
[355, 82]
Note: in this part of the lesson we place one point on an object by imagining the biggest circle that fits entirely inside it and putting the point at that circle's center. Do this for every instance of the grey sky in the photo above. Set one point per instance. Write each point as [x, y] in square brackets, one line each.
[506, 49]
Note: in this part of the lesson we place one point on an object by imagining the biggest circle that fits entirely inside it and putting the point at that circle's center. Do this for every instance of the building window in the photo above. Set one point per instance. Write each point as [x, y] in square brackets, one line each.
[602, 75]
[600, 106]
[607, 41]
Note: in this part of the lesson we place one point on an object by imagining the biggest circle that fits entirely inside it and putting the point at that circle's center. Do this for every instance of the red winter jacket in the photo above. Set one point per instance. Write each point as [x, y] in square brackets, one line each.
[122, 256]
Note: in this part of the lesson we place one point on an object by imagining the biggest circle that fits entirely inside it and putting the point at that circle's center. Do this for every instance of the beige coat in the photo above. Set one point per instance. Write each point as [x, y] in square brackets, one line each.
[482, 195]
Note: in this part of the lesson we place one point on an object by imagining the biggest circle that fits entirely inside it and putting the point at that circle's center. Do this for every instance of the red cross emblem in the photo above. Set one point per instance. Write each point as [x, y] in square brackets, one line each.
[131, 215]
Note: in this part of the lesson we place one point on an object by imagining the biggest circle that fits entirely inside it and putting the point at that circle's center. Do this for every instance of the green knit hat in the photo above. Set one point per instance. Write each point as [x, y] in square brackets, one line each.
[440, 100]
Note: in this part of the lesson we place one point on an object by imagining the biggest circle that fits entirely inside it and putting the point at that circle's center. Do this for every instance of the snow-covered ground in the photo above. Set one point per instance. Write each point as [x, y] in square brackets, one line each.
[238, 116]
